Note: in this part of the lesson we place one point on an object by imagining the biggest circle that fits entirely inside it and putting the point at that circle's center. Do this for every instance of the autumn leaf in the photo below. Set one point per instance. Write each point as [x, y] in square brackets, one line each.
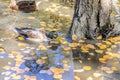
[114, 68]
[43, 24]
[2, 50]
[96, 74]
[57, 70]
[74, 37]
[102, 60]
[57, 76]
[90, 46]
[109, 71]
[73, 44]
[99, 51]
[31, 17]
[107, 42]
[114, 55]
[21, 45]
[1, 44]
[87, 68]
[106, 57]
[77, 78]
[21, 38]
[84, 48]
[81, 41]
[108, 49]
[99, 37]
[89, 78]
[102, 46]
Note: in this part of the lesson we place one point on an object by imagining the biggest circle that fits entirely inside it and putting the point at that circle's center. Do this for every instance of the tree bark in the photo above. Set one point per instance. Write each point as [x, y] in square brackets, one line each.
[91, 18]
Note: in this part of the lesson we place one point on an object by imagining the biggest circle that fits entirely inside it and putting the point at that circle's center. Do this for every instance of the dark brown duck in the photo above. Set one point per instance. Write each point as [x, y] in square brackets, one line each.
[25, 6]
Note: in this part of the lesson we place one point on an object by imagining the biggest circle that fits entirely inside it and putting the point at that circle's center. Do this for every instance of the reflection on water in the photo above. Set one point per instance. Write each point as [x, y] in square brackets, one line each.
[32, 61]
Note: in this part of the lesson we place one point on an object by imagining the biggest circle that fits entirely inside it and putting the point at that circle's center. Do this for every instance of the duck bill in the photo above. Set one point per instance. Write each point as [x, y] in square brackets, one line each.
[59, 40]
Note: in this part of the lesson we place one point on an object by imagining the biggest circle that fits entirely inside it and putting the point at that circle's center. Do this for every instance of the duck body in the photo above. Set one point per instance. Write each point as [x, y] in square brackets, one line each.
[31, 34]
[25, 6]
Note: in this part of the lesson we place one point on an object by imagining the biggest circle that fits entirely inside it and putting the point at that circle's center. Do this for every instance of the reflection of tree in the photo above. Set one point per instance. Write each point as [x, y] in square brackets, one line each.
[37, 62]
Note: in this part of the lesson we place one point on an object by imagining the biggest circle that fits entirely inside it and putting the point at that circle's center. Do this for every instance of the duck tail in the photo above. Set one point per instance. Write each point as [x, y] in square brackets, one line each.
[17, 30]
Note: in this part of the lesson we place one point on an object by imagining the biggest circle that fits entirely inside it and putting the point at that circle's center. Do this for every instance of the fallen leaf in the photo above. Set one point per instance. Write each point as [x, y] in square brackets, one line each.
[2, 50]
[89, 78]
[102, 60]
[109, 71]
[31, 17]
[74, 37]
[77, 78]
[84, 48]
[73, 44]
[97, 74]
[57, 76]
[99, 51]
[90, 46]
[43, 24]
[87, 68]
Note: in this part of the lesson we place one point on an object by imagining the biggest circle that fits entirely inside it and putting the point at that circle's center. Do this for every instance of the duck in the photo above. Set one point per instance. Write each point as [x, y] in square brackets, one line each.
[36, 35]
[25, 6]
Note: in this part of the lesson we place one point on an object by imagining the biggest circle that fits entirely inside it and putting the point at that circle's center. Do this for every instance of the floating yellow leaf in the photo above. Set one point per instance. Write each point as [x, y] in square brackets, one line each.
[44, 57]
[57, 70]
[109, 71]
[74, 37]
[102, 60]
[17, 77]
[96, 74]
[66, 48]
[106, 57]
[114, 68]
[6, 67]
[87, 68]
[81, 41]
[113, 46]
[99, 51]
[107, 42]
[21, 38]
[27, 77]
[2, 50]
[73, 44]
[114, 55]
[31, 17]
[42, 47]
[90, 46]
[1, 44]
[84, 48]
[21, 45]
[102, 46]
[77, 78]
[99, 37]
[57, 76]
[43, 24]
[7, 73]
[108, 49]
[89, 78]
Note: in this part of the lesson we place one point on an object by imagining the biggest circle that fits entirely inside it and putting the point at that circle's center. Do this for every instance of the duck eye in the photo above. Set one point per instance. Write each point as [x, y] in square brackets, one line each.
[54, 36]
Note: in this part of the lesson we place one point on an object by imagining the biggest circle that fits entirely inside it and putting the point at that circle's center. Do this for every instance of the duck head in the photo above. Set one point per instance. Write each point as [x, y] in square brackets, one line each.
[54, 35]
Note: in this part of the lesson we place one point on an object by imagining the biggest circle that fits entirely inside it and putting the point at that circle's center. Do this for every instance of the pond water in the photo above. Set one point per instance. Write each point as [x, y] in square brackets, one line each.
[21, 60]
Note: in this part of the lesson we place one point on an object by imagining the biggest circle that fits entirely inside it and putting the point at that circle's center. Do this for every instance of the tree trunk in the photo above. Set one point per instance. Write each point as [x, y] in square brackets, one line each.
[91, 18]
